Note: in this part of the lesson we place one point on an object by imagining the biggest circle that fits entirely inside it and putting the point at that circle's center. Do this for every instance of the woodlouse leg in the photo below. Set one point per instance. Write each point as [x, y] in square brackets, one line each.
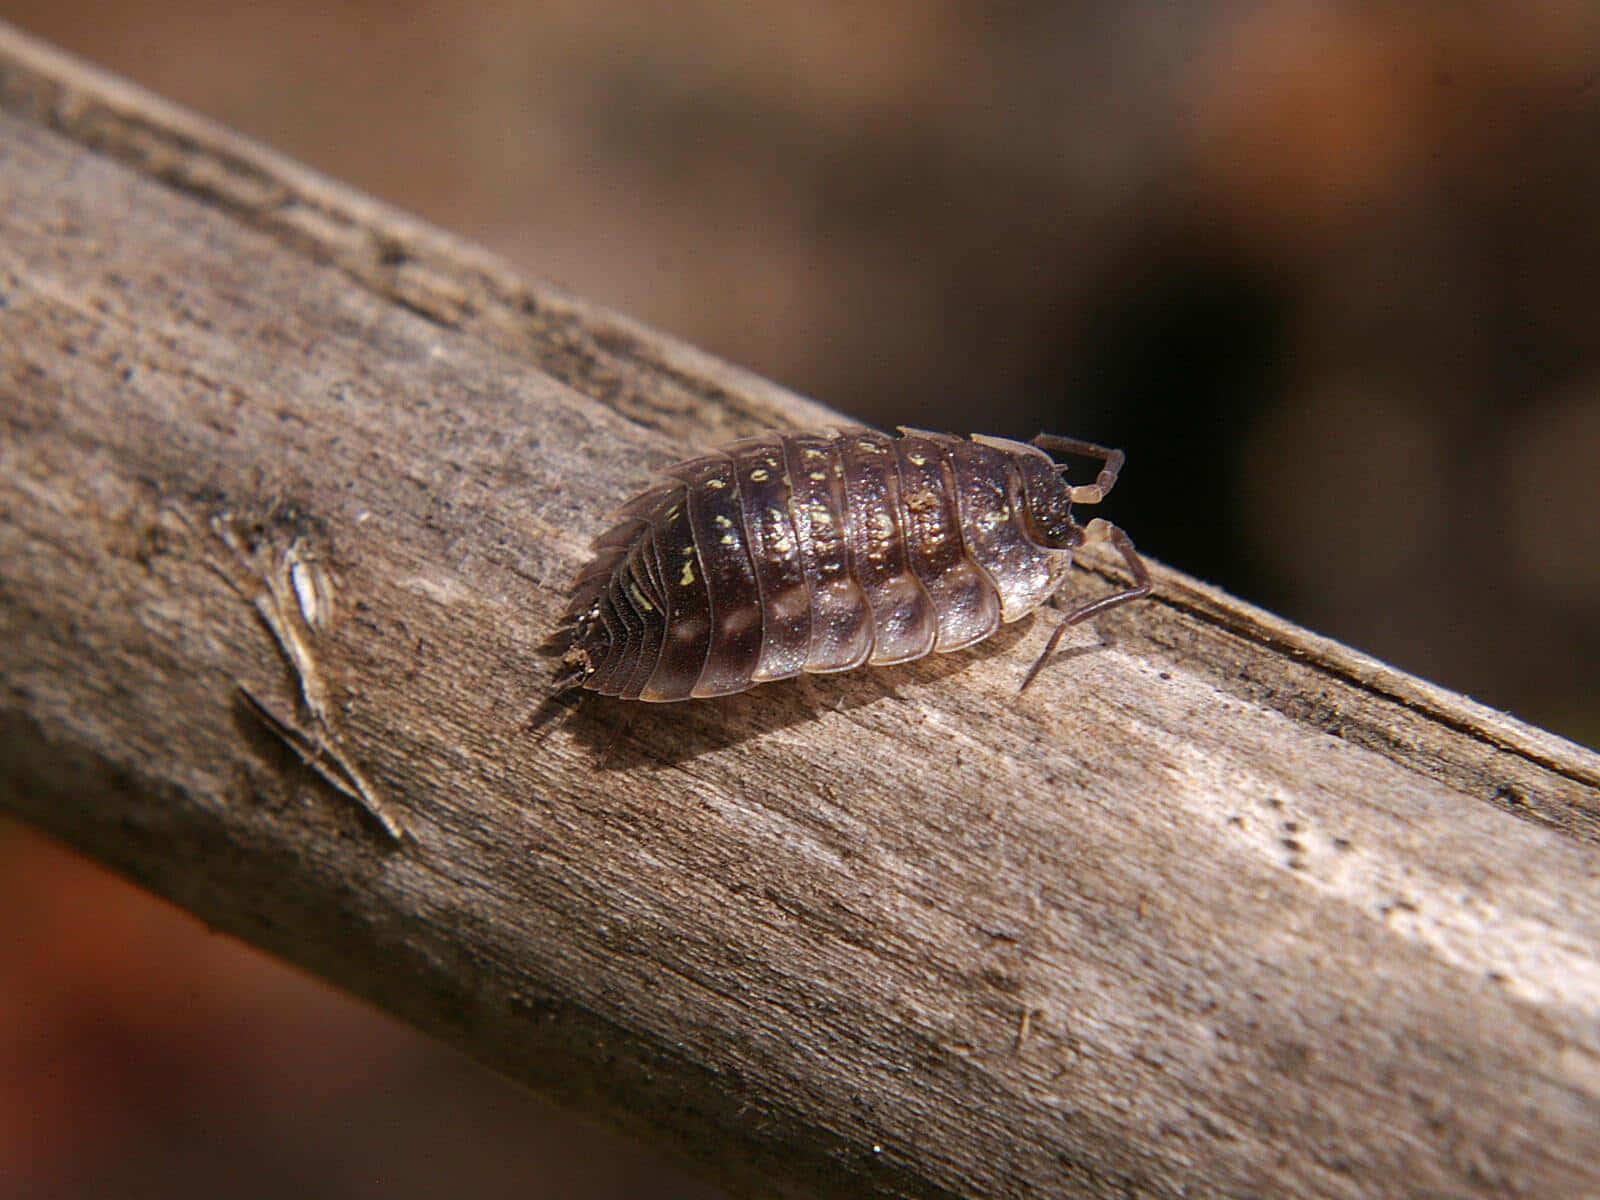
[1098, 530]
[1111, 465]
[1101, 530]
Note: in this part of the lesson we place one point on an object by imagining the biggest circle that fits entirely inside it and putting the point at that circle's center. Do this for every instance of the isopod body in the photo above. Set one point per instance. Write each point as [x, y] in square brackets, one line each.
[818, 552]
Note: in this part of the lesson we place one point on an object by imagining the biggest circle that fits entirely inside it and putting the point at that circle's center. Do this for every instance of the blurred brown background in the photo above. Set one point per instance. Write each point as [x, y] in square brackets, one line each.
[1330, 273]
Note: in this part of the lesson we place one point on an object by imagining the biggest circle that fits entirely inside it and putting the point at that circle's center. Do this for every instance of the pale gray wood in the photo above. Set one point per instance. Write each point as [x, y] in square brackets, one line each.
[1217, 908]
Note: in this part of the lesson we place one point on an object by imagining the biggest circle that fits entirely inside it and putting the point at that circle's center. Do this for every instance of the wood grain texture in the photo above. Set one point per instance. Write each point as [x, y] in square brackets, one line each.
[1217, 908]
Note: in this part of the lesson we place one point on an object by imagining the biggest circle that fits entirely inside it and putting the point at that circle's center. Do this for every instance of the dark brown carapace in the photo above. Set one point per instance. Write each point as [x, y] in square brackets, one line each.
[817, 552]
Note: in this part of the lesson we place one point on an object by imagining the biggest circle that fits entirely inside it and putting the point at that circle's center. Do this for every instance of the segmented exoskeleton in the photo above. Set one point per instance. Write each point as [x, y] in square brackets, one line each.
[816, 552]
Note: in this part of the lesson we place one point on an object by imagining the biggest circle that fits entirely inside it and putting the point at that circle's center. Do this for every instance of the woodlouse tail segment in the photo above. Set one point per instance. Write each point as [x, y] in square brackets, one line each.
[572, 645]
[1097, 531]
[575, 667]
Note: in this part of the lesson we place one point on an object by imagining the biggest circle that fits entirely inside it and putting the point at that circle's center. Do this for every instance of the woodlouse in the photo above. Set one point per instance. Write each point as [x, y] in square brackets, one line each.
[817, 552]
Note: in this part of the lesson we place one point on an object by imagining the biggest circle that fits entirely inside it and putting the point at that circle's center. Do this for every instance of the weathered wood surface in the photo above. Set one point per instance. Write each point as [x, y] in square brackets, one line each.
[1216, 908]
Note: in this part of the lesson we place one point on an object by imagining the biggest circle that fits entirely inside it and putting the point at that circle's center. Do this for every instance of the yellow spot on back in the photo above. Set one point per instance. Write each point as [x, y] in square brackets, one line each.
[687, 578]
[760, 474]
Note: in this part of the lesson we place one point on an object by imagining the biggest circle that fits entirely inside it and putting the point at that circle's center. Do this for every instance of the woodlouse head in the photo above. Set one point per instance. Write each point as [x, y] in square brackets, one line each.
[1048, 497]
[1047, 502]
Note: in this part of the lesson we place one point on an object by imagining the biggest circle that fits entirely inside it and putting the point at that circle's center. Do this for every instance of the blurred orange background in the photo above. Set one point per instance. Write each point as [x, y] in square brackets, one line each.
[1329, 272]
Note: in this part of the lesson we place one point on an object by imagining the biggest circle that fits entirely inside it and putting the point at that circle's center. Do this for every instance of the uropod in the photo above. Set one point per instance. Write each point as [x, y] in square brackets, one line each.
[794, 553]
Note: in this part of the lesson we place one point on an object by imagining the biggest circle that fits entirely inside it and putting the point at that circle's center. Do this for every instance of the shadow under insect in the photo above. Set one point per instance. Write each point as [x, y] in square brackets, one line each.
[623, 735]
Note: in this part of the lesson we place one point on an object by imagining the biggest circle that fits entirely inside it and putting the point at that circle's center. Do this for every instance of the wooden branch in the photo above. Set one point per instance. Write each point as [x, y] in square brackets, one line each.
[291, 487]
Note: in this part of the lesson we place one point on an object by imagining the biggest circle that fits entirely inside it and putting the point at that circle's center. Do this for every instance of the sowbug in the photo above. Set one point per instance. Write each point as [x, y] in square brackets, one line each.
[818, 552]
